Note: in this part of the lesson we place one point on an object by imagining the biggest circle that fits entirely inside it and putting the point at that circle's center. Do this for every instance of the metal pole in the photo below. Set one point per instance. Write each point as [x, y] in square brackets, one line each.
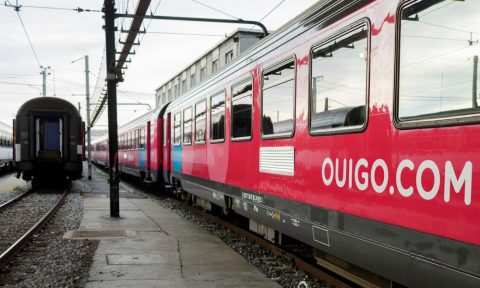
[194, 19]
[109, 10]
[474, 83]
[87, 93]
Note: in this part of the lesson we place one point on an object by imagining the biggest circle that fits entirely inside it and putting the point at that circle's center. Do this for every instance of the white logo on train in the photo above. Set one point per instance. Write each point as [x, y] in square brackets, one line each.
[350, 172]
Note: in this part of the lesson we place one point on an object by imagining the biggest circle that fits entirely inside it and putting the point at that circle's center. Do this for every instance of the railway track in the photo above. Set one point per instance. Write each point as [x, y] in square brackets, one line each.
[10, 202]
[22, 218]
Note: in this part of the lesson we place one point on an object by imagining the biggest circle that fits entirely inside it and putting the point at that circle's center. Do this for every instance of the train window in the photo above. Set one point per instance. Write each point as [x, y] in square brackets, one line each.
[137, 138]
[438, 50]
[134, 139]
[142, 137]
[278, 100]
[200, 121]
[217, 117]
[242, 99]
[187, 126]
[176, 130]
[338, 92]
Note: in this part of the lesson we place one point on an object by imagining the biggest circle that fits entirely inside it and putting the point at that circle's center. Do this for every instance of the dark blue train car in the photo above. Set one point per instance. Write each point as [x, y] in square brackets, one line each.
[49, 141]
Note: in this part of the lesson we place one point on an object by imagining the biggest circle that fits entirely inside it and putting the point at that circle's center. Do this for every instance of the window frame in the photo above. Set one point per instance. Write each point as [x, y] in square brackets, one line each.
[248, 79]
[422, 122]
[180, 126]
[332, 37]
[209, 123]
[143, 138]
[292, 58]
[183, 126]
[195, 120]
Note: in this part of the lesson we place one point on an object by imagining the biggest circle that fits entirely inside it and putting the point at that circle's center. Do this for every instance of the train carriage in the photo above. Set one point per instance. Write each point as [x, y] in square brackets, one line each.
[140, 150]
[6, 146]
[49, 141]
[353, 128]
[100, 151]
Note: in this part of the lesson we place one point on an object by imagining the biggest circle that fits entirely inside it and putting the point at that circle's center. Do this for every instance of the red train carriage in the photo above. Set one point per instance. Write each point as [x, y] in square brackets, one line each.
[139, 147]
[100, 151]
[353, 129]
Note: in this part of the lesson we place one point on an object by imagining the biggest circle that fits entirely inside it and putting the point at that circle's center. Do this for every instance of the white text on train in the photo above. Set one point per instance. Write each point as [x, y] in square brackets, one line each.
[350, 172]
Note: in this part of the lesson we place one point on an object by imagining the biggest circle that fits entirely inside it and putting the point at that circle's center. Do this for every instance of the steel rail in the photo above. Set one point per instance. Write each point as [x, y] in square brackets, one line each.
[297, 261]
[17, 247]
[10, 202]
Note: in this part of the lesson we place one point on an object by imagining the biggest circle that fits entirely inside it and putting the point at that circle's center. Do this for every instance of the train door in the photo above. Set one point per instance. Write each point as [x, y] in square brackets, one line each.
[148, 165]
[167, 147]
[49, 137]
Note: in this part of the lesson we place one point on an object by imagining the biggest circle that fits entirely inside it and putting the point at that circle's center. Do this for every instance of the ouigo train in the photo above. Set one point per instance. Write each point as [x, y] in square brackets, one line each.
[353, 128]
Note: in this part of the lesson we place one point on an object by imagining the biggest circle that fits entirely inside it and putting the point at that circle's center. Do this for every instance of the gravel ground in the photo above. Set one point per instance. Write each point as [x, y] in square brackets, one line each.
[278, 268]
[51, 261]
[8, 195]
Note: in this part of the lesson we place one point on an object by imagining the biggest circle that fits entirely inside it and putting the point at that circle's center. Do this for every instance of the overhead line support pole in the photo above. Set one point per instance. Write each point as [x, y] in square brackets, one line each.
[215, 20]
[109, 11]
[474, 82]
[87, 94]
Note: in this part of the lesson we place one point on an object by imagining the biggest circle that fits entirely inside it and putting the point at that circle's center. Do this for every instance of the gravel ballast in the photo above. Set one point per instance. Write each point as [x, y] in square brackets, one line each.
[50, 260]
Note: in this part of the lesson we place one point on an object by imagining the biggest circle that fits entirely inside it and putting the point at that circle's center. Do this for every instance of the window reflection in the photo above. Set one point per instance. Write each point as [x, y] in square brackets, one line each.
[187, 126]
[339, 82]
[242, 110]
[176, 129]
[278, 100]
[217, 117]
[438, 52]
[200, 121]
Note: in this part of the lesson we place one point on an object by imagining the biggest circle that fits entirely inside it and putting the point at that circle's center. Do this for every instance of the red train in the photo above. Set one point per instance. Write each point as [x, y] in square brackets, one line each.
[353, 128]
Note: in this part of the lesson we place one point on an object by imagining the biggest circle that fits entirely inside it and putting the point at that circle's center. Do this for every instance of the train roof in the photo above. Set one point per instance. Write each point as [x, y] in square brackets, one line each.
[148, 116]
[318, 16]
[47, 104]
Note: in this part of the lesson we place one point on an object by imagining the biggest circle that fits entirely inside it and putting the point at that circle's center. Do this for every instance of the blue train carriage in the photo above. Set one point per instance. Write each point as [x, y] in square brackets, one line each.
[49, 141]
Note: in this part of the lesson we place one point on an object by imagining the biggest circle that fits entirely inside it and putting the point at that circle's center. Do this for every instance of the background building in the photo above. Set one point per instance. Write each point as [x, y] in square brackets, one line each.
[206, 65]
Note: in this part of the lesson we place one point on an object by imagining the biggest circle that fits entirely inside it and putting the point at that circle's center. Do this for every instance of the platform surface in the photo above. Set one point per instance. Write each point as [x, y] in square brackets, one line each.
[149, 246]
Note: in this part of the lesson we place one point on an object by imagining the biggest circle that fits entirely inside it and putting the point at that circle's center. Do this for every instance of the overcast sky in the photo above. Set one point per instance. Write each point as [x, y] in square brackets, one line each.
[59, 37]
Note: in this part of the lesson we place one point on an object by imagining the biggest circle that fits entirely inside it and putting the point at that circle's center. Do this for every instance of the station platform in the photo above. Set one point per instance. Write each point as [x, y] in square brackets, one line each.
[150, 246]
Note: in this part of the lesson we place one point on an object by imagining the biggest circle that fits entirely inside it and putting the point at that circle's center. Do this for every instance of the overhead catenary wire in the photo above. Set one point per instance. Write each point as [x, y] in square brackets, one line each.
[78, 9]
[215, 9]
[271, 11]
[19, 84]
[28, 38]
